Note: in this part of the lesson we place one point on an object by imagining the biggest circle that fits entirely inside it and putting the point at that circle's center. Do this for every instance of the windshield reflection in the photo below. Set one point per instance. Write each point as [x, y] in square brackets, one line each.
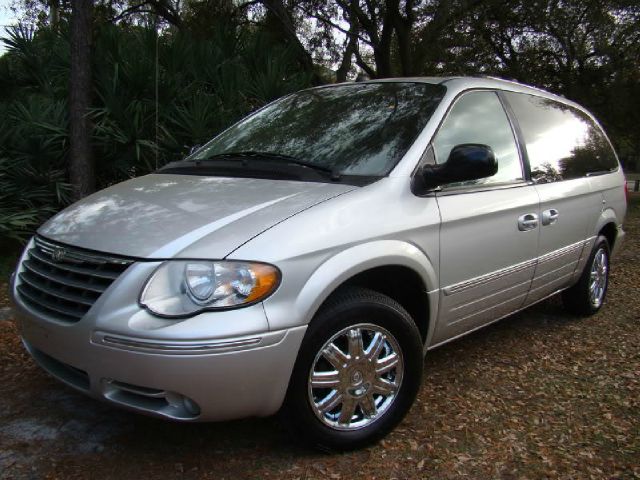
[355, 129]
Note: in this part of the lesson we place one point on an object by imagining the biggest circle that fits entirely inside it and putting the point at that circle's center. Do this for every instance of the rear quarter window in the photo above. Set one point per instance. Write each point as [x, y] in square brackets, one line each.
[562, 142]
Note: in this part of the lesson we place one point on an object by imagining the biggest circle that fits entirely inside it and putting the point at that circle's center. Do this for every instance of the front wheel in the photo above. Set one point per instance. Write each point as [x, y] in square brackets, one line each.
[587, 296]
[357, 374]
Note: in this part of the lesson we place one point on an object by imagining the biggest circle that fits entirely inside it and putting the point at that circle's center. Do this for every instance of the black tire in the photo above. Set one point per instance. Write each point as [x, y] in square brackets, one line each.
[356, 307]
[578, 299]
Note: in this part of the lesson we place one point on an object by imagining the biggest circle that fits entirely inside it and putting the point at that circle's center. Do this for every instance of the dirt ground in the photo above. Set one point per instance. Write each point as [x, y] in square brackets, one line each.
[538, 395]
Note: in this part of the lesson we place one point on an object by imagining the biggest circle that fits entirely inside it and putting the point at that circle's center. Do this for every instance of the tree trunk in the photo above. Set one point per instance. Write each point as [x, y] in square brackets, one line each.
[403, 26]
[81, 161]
[350, 50]
[54, 14]
[382, 50]
[280, 16]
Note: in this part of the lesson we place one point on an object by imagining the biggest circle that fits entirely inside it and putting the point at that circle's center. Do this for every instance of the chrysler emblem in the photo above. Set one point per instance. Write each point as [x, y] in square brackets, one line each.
[58, 254]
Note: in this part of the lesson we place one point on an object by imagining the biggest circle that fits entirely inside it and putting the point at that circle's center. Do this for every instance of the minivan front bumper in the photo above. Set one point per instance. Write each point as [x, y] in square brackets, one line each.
[201, 379]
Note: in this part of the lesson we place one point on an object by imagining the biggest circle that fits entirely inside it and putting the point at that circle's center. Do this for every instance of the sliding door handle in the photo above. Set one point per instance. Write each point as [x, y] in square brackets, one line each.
[549, 217]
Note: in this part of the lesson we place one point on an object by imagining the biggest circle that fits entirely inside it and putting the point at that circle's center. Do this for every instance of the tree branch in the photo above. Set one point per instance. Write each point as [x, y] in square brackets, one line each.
[332, 24]
[159, 7]
[363, 65]
[128, 11]
[244, 5]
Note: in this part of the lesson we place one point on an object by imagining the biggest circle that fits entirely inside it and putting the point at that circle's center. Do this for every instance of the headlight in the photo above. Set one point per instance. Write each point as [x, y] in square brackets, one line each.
[179, 288]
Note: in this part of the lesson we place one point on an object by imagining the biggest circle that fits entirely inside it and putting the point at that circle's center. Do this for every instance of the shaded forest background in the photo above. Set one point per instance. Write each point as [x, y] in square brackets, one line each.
[94, 92]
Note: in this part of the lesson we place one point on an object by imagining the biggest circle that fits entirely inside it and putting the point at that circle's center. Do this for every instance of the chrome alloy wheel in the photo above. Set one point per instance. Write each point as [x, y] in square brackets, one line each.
[355, 377]
[598, 278]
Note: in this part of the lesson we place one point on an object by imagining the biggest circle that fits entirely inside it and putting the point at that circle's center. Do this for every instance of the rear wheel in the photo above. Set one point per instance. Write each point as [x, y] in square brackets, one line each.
[357, 374]
[587, 296]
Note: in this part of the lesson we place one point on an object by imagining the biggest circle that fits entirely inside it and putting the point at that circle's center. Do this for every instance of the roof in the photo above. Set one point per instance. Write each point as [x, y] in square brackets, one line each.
[456, 85]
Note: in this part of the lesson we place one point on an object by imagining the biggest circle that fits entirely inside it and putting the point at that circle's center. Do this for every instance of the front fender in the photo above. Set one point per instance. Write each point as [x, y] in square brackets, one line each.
[288, 309]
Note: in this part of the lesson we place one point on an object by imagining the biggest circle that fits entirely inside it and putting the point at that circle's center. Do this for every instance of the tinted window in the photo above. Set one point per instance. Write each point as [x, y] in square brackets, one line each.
[562, 142]
[359, 129]
[478, 117]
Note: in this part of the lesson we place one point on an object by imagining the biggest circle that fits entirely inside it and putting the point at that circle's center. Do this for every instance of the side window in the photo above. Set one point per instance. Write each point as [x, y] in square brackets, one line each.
[562, 142]
[478, 117]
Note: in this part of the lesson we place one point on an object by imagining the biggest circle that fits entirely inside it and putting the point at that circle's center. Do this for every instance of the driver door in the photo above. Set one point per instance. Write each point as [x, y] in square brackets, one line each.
[489, 227]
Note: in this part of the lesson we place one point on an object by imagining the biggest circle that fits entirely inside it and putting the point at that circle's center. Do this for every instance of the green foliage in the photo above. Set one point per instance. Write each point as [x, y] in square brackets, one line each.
[33, 144]
[203, 85]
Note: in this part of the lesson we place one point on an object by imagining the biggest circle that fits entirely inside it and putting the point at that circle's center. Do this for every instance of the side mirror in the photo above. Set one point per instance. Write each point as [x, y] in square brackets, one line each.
[468, 161]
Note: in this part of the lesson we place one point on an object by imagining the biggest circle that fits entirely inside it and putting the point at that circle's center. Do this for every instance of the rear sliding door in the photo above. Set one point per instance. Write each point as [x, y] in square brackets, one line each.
[562, 147]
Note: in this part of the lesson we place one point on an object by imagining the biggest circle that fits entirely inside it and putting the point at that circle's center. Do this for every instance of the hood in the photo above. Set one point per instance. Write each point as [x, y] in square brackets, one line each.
[183, 216]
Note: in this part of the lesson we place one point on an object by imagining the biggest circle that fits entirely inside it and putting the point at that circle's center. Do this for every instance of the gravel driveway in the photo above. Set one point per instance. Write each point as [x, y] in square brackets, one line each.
[538, 395]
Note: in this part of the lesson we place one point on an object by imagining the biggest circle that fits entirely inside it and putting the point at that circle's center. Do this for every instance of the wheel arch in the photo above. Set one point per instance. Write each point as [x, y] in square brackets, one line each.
[369, 265]
[610, 232]
[607, 225]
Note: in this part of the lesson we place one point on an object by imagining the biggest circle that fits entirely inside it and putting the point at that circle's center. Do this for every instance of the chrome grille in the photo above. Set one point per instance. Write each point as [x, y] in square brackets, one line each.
[63, 282]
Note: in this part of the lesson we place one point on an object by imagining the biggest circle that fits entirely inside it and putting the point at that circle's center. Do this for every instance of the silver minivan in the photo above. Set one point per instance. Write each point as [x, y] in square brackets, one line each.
[306, 259]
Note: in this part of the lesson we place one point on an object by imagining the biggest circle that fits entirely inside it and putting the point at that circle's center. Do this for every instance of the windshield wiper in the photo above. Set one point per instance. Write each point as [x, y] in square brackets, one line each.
[279, 157]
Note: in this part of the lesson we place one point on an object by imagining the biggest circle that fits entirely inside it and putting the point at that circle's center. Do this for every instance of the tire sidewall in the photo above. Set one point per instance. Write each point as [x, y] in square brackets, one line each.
[601, 243]
[398, 323]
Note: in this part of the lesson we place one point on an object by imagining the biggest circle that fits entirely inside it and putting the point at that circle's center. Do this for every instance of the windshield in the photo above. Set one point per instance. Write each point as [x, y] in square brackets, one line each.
[354, 129]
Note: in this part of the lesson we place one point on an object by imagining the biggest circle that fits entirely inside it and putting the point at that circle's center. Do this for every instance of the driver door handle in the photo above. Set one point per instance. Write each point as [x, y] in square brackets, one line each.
[528, 221]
